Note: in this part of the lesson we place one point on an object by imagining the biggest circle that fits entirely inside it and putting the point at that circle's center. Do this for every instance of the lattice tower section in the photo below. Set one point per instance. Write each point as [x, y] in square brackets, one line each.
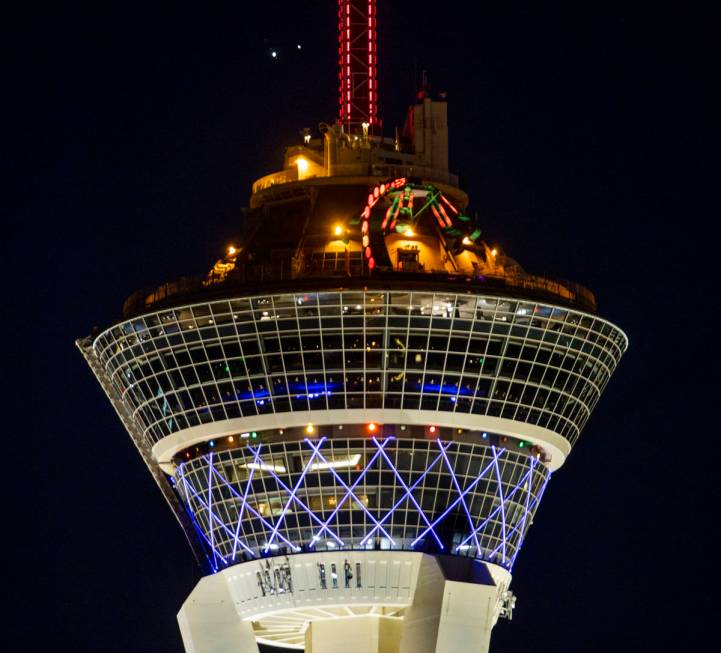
[357, 64]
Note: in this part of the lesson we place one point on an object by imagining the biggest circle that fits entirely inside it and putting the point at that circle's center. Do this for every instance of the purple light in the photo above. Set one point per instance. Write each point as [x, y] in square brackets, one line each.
[535, 502]
[210, 500]
[192, 516]
[403, 498]
[503, 508]
[458, 489]
[212, 515]
[243, 503]
[526, 508]
[191, 492]
[316, 537]
[511, 536]
[496, 511]
[453, 505]
[292, 496]
[302, 505]
[515, 529]
[252, 510]
[405, 487]
[349, 491]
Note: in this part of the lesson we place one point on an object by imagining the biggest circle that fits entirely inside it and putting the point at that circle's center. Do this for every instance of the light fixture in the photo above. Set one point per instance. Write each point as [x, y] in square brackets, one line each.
[466, 240]
[372, 427]
[409, 233]
[432, 429]
[265, 467]
[309, 429]
[494, 252]
[337, 463]
[231, 250]
[302, 165]
[338, 230]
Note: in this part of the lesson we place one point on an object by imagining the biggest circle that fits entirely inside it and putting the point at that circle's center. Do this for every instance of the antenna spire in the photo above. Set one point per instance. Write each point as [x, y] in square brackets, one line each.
[357, 61]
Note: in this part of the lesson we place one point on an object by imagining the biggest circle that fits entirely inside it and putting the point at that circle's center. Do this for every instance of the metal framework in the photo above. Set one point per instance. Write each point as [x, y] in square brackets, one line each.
[357, 61]
[317, 494]
[447, 353]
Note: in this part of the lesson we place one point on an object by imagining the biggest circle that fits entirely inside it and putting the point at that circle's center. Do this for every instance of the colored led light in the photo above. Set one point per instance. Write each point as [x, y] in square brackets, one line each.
[279, 521]
[349, 490]
[408, 491]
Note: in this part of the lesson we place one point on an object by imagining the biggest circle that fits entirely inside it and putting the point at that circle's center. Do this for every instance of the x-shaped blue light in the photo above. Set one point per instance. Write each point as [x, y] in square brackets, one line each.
[349, 491]
[215, 479]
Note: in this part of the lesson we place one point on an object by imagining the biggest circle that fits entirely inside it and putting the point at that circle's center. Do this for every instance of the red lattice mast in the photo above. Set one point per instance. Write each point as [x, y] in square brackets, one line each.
[358, 100]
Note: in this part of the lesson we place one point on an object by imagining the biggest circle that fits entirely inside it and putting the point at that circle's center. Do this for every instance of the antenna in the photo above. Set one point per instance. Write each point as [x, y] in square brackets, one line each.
[357, 61]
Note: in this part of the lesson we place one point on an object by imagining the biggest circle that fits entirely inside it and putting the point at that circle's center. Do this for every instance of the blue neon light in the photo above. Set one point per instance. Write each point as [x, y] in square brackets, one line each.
[458, 489]
[454, 504]
[403, 498]
[243, 503]
[291, 497]
[444, 389]
[502, 506]
[301, 504]
[253, 511]
[316, 537]
[349, 490]
[408, 492]
[216, 486]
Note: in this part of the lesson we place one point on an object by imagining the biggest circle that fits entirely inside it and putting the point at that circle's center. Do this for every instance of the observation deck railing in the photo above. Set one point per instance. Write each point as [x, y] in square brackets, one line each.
[284, 277]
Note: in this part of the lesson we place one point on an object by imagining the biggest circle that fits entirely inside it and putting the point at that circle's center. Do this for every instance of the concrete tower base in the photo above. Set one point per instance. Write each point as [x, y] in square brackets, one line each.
[353, 602]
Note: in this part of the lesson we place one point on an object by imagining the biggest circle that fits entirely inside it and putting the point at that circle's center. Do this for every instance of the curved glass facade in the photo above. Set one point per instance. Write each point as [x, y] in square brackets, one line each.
[432, 495]
[457, 353]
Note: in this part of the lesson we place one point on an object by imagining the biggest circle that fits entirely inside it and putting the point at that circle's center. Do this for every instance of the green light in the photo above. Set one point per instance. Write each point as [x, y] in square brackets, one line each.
[521, 444]
[254, 435]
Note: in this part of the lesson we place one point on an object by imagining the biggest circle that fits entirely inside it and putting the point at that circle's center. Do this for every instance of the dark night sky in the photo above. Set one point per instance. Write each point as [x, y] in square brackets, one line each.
[588, 139]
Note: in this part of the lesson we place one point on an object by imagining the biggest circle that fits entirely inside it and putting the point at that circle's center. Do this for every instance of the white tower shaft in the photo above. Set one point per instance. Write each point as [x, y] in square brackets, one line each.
[407, 603]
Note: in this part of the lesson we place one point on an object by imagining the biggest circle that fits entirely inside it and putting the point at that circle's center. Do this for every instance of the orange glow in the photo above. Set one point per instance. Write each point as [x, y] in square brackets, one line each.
[302, 165]
[372, 427]
[309, 429]
[338, 230]
[232, 250]
[231, 438]
[432, 429]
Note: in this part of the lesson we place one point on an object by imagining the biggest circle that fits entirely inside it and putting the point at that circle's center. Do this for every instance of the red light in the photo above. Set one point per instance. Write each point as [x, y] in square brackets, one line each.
[432, 429]
[372, 427]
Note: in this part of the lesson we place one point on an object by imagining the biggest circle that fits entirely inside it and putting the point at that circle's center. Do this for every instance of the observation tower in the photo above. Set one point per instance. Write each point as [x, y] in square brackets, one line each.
[355, 412]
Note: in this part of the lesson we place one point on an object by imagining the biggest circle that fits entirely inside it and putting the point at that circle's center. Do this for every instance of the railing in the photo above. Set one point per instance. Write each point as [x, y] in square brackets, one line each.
[277, 276]
[377, 169]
